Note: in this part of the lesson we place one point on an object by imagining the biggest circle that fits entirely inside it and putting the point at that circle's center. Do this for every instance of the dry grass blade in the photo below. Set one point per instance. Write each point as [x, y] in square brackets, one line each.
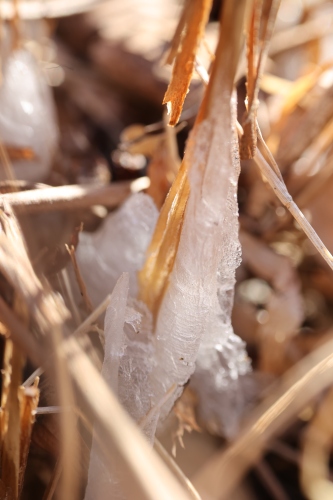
[176, 40]
[270, 480]
[272, 174]
[10, 419]
[259, 35]
[82, 329]
[157, 408]
[47, 311]
[315, 470]
[67, 197]
[179, 474]
[79, 279]
[163, 247]
[52, 486]
[148, 478]
[29, 402]
[297, 388]
[38, 9]
[197, 12]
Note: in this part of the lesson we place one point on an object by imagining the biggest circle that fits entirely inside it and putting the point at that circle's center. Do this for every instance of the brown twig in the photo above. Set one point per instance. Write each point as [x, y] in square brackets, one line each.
[67, 197]
[270, 480]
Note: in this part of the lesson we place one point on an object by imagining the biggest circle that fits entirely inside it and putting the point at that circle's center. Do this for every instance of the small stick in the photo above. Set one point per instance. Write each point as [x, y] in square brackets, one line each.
[79, 279]
[174, 467]
[67, 197]
[48, 410]
[285, 451]
[30, 380]
[274, 178]
[84, 327]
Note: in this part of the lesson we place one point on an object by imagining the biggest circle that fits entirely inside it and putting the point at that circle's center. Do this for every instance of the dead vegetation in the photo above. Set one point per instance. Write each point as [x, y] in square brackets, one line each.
[109, 64]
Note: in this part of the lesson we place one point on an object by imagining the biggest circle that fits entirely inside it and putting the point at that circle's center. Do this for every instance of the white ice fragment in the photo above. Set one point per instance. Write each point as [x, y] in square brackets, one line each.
[27, 115]
[220, 378]
[100, 482]
[127, 366]
[118, 246]
[196, 308]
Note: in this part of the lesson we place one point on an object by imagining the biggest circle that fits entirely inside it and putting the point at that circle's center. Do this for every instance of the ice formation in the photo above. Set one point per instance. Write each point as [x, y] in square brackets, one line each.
[193, 328]
[27, 116]
[119, 245]
[222, 361]
[127, 367]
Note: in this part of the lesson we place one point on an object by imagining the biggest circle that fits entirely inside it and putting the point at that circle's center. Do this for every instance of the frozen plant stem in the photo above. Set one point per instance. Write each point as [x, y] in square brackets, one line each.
[272, 174]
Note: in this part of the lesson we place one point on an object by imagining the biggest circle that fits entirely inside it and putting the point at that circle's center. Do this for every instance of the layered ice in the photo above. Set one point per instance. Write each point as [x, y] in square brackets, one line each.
[127, 367]
[193, 329]
[222, 364]
[27, 116]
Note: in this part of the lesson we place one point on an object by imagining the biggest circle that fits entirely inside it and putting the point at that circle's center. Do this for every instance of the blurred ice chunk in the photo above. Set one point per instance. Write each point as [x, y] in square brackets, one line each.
[127, 367]
[27, 116]
[118, 246]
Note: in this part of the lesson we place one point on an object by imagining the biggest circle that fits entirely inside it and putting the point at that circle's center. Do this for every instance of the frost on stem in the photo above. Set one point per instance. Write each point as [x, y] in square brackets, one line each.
[127, 366]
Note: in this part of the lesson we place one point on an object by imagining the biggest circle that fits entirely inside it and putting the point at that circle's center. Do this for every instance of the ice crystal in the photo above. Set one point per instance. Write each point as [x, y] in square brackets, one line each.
[27, 115]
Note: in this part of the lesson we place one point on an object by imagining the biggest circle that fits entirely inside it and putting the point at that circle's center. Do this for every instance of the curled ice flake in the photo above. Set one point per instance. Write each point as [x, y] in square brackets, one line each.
[118, 246]
[27, 116]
